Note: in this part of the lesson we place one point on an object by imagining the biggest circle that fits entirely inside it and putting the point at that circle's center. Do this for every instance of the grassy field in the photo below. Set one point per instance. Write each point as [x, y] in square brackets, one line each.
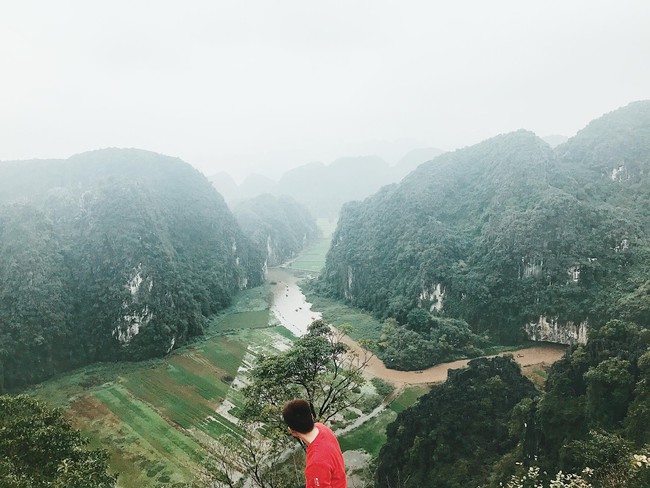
[233, 322]
[362, 324]
[249, 310]
[312, 259]
[372, 435]
[155, 418]
[408, 397]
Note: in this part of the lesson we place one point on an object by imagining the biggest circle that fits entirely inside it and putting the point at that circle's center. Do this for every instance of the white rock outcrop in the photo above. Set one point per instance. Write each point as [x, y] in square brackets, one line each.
[434, 295]
[131, 323]
[550, 330]
[348, 288]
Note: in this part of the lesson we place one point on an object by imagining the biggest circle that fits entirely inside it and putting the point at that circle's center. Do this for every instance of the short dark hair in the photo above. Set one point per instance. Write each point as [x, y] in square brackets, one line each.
[297, 415]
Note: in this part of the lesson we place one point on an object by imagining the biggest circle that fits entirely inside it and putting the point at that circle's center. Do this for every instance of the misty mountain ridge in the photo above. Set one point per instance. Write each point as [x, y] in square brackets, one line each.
[324, 188]
[511, 236]
[555, 140]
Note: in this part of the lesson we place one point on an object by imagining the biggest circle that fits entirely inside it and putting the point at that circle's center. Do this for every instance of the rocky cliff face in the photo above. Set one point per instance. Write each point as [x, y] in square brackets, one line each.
[550, 330]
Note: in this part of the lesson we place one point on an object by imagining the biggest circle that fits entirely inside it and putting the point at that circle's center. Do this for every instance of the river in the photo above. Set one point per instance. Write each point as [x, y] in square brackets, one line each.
[291, 309]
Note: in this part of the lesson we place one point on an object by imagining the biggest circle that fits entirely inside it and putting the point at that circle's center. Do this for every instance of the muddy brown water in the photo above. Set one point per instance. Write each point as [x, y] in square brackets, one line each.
[291, 309]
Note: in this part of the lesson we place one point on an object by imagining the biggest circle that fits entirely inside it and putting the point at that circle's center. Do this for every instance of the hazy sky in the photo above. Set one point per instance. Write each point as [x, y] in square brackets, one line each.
[262, 86]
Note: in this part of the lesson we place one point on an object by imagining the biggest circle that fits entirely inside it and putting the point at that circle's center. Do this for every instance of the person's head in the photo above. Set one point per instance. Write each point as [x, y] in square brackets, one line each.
[297, 416]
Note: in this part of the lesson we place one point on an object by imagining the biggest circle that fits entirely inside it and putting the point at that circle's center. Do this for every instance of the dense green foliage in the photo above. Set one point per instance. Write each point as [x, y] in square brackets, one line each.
[455, 433]
[279, 226]
[603, 386]
[486, 424]
[593, 413]
[40, 448]
[426, 340]
[110, 254]
[501, 233]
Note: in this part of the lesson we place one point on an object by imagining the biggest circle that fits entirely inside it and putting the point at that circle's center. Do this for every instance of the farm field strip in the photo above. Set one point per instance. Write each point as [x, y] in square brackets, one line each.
[143, 438]
[158, 420]
[312, 259]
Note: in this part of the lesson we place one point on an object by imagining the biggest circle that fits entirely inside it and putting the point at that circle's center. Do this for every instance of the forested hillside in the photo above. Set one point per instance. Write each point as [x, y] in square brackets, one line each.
[110, 254]
[455, 433]
[278, 225]
[509, 236]
[487, 424]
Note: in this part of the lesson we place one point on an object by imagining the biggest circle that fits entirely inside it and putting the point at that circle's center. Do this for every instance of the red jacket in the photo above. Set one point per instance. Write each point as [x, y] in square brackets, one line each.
[325, 468]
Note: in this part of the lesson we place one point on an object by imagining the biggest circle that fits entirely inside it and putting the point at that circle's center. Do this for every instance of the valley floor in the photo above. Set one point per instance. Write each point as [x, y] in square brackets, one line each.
[158, 419]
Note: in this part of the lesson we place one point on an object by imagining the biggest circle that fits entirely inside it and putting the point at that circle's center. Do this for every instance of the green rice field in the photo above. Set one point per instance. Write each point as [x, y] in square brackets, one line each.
[250, 310]
[232, 322]
[408, 397]
[370, 436]
[157, 418]
[363, 326]
[312, 259]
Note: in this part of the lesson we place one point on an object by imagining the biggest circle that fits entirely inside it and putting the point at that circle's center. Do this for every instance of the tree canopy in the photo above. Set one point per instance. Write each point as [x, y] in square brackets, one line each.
[40, 448]
[318, 368]
[454, 434]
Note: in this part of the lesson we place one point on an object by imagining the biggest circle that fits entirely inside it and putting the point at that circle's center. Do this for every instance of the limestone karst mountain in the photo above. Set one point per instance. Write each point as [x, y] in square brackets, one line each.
[116, 253]
[509, 235]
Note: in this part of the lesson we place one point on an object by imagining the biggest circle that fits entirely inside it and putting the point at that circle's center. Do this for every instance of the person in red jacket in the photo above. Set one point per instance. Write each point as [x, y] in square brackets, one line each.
[324, 467]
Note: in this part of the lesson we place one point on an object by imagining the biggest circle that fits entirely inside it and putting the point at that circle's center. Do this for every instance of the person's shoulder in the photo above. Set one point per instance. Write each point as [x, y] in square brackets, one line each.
[323, 428]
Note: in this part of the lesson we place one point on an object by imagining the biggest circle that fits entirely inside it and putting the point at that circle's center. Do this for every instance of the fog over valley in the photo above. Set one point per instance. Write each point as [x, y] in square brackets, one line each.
[344, 245]
[262, 88]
